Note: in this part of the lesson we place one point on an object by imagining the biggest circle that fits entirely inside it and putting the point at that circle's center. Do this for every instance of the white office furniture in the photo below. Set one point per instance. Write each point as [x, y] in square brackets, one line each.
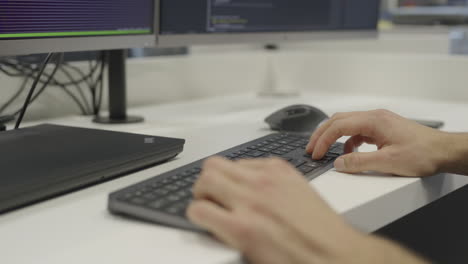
[76, 228]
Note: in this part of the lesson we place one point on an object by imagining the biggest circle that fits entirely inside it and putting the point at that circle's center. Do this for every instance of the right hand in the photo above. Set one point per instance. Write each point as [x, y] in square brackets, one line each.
[405, 148]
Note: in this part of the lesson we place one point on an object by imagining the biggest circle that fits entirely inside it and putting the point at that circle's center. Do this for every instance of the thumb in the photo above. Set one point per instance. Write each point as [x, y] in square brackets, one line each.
[361, 161]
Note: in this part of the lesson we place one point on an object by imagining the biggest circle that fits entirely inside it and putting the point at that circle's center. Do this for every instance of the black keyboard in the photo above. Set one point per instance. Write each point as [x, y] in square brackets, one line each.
[165, 198]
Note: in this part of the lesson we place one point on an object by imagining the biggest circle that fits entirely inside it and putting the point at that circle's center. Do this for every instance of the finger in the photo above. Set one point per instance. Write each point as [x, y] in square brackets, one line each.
[241, 171]
[316, 135]
[255, 164]
[353, 126]
[252, 234]
[215, 219]
[364, 161]
[216, 185]
[355, 142]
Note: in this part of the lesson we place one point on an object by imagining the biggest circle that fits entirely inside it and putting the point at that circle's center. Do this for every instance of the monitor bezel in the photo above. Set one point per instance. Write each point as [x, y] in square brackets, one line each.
[178, 40]
[194, 39]
[14, 47]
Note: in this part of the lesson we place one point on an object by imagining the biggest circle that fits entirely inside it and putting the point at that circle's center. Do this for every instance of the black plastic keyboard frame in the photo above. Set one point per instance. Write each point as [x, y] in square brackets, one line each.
[119, 206]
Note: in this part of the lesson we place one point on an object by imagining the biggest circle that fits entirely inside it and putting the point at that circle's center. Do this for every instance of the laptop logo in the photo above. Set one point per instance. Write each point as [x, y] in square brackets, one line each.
[150, 140]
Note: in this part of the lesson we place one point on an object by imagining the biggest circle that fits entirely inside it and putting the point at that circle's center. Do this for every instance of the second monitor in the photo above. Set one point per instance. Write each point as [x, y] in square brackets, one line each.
[232, 21]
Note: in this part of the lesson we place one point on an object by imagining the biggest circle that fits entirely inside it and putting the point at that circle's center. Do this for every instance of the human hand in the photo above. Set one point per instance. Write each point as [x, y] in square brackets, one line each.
[268, 211]
[404, 147]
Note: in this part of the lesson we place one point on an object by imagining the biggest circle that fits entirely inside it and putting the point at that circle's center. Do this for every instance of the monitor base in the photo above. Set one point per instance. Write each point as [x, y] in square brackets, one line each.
[126, 120]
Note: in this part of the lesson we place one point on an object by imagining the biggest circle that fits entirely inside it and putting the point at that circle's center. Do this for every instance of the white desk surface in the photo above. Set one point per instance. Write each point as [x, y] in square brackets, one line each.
[76, 228]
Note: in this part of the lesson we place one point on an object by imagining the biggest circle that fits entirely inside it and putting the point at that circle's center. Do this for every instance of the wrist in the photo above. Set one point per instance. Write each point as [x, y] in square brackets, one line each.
[355, 247]
[453, 153]
[384, 251]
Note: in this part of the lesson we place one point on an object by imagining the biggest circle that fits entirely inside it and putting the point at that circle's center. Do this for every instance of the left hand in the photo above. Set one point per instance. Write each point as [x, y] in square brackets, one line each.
[268, 211]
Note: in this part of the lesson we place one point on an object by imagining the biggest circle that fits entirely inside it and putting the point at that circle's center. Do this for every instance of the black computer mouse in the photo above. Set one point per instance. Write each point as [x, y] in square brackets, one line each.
[296, 118]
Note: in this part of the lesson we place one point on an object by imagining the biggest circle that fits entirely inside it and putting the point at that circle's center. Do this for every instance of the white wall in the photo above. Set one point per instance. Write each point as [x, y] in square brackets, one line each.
[397, 64]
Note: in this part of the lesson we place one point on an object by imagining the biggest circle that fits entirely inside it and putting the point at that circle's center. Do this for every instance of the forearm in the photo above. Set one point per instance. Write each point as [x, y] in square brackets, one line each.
[370, 249]
[454, 155]
[388, 252]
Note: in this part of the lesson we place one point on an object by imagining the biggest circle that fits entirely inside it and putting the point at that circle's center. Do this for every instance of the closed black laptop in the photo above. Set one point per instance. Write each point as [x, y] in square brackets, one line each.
[44, 161]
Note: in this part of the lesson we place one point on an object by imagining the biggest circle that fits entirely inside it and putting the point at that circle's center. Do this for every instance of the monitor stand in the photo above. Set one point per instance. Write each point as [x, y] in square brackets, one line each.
[273, 85]
[117, 91]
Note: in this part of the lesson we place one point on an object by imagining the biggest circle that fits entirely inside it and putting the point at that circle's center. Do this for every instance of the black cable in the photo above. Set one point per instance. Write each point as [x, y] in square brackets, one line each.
[2, 69]
[92, 83]
[36, 81]
[23, 69]
[85, 105]
[79, 90]
[45, 83]
[4, 120]
[101, 88]
[99, 85]
[16, 68]
[84, 77]
[31, 91]
[75, 99]
[15, 96]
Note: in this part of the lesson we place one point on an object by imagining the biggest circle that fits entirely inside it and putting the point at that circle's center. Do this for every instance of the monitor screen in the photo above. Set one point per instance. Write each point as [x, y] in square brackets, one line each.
[28, 19]
[250, 16]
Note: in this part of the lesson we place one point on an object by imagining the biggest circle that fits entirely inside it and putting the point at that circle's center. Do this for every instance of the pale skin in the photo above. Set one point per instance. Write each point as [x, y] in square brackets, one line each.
[258, 208]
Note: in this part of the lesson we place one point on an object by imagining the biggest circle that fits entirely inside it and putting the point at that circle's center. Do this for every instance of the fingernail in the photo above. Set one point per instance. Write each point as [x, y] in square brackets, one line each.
[340, 164]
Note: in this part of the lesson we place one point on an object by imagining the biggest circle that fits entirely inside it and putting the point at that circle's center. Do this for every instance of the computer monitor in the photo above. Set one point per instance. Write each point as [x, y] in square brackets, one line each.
[43, 26]
[40, 26]
[233, 21]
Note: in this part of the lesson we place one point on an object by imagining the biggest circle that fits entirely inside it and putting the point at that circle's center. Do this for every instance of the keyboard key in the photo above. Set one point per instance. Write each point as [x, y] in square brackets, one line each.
[296, 162]
[173, 198]
[186, 174]
[173, 210]
[138, 201]
[336, 151]
[305, 169]
[196, 170]
[172, 187]
[231, 156]
[165, 181]
[265, 149]
[156, 185]
[278, 152]
[192, 179]
[314, 164]
[160, 192]
[184, 194]
[149, 196]
[181, 183]
[176, 177]
[286, 150]
[158, 204]
[177, 208]
[255, 154]
[125, 196]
